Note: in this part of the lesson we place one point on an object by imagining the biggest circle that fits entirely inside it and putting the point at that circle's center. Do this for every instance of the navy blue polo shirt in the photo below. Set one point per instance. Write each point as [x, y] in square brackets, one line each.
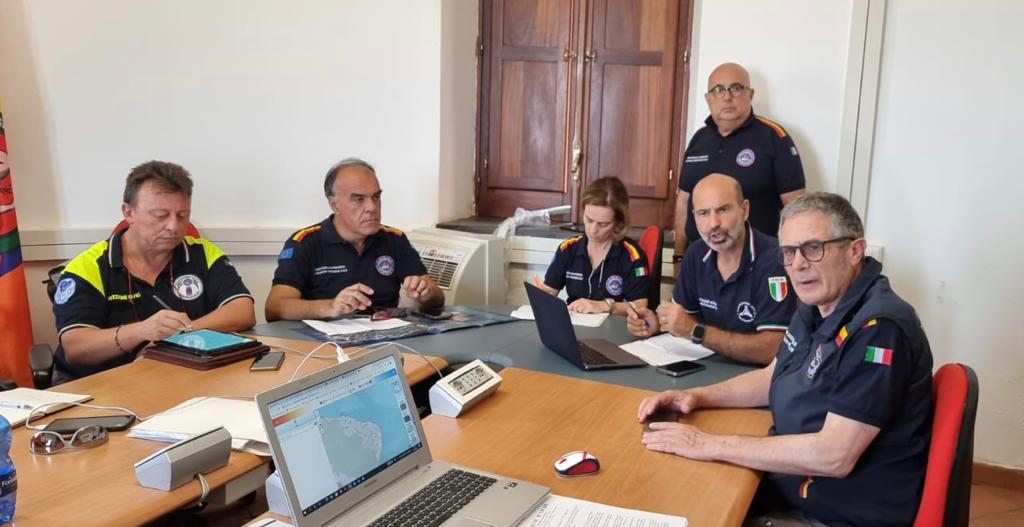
[97, 291]
[622, 275]
[755, 298]
[759, 154]
[868, 361]
[319, 263]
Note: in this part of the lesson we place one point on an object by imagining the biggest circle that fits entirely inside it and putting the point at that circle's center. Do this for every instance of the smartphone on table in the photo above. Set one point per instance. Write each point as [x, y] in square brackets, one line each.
[678, 369]
[70, 425]
[269, 361]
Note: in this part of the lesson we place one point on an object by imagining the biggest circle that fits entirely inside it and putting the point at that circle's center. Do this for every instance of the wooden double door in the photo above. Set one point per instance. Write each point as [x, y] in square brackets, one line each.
[574, 90]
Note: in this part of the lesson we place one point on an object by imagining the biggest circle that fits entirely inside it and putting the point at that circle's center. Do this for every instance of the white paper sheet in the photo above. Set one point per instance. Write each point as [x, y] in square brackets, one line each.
[354, 325]
[663, 349]
[16, 404]
[240, 417]
[590, 320]
[559, 511]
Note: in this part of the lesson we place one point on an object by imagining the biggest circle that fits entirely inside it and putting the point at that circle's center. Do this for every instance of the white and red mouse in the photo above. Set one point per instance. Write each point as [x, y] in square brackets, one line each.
[577, 463]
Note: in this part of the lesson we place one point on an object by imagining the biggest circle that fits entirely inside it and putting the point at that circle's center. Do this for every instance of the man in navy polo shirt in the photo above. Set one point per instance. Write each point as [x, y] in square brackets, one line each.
[849, 392]
[732, 295]
[349, 261]
[754, 150]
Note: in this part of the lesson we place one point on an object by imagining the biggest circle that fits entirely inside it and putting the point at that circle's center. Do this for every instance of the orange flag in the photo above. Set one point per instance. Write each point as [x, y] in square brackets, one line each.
[15, 322]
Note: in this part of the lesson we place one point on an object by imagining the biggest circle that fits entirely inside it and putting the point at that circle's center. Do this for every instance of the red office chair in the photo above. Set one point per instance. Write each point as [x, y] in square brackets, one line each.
[651, 242]
[946, 499]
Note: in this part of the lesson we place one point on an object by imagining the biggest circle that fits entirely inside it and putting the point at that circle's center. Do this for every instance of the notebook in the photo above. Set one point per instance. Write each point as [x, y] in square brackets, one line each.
[555, 328]
[350, 448]
[16, 404]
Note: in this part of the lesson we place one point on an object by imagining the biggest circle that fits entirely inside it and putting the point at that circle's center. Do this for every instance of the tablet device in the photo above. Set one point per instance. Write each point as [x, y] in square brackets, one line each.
[206, 342]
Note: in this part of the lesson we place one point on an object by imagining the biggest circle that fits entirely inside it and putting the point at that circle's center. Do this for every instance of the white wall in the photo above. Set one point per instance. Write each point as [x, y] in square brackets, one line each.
[460, 25]
[945, 193]
[256, 98]
[796, 53]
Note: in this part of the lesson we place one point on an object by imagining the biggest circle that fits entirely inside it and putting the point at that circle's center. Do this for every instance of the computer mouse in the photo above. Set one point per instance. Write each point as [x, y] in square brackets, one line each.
[577, 463]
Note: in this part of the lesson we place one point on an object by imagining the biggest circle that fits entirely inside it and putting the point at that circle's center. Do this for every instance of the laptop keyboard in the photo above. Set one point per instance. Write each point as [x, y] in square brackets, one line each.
[593, 357]
[438, 501]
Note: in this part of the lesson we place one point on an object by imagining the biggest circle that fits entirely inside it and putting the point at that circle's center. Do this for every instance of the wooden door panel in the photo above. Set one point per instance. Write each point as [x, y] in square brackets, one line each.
[636, 129]
[530, 140]
[631, 117]
[535, 23]
[528, 85]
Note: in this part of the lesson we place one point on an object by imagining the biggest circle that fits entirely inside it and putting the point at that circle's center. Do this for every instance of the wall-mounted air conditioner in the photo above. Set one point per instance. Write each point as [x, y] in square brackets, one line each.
[469, 268]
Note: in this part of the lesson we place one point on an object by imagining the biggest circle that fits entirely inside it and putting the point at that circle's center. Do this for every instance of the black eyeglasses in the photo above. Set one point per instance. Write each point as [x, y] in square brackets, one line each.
[734, 89]
[811, 250]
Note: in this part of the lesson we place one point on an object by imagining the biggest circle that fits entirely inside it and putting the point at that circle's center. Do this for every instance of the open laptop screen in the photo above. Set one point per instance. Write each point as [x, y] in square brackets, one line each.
[336, 434]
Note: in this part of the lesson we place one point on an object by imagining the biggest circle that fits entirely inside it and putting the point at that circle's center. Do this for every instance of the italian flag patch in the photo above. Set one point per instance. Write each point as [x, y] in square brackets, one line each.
[878, 355]
[778, 288]
[640, 271]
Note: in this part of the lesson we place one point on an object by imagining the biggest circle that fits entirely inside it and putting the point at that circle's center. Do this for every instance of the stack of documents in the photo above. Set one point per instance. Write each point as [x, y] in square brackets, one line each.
[663, 349]
[349, 326]
[559, 511]
[16, 404]
[240, 417]
[590, 320]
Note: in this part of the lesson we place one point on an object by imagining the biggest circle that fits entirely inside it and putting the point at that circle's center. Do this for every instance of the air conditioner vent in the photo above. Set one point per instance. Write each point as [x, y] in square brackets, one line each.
[443, 272]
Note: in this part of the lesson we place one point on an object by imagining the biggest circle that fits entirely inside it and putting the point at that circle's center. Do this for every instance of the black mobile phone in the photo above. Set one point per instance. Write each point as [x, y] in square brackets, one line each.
[268, 361]
[663, 415]
[678, 369]
[70, 425]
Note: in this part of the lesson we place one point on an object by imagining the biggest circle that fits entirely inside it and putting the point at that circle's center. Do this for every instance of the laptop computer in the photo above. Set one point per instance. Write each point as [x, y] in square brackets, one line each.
[555, 328]
[350, 449]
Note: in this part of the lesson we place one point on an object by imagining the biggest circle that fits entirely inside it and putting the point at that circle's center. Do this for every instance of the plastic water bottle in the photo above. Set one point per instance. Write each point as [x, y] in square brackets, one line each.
[8, 476]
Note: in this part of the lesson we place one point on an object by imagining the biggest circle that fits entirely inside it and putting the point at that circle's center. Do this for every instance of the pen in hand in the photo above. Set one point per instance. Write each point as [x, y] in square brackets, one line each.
[167, 307]
[636, 313]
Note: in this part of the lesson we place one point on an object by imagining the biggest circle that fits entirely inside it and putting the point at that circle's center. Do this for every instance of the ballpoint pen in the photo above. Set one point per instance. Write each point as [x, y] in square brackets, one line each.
[16, 406]
[167, 307]
[632, 308]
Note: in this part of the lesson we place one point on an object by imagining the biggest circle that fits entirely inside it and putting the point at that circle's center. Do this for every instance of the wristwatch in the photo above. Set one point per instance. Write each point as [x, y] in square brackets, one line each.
[611, 304]
[697, 333]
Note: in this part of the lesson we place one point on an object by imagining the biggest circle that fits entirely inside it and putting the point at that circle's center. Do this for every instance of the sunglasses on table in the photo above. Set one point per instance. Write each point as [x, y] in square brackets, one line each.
[46, 442]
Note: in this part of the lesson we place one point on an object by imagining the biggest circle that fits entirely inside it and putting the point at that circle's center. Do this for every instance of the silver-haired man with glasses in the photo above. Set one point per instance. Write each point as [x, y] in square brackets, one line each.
[849, 391]
[754, 150]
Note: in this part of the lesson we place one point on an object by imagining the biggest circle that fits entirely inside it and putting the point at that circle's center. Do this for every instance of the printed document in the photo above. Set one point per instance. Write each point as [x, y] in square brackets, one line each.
[663, 349]
[559, 511]
[590, 320]
[349, 326]
[239, 417]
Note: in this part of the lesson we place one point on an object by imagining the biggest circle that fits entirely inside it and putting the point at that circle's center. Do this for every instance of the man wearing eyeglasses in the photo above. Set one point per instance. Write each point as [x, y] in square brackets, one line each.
[756, 151]
[349, 261]
[732, 296]
[849, 392]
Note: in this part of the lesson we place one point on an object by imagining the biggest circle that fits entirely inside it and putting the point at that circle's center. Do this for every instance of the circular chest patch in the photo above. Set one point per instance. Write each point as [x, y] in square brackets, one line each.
[385, 265]
[745, 158]
[746, 312]
[188, 287]
[65, 288]
[613, 285]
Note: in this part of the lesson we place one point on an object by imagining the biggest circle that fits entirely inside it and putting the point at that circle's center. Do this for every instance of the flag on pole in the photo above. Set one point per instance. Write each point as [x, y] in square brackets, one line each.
[15, 322]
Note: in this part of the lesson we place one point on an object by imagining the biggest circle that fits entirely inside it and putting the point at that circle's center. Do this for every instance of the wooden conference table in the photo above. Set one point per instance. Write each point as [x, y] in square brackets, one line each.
[98, 486]
[535, 417]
